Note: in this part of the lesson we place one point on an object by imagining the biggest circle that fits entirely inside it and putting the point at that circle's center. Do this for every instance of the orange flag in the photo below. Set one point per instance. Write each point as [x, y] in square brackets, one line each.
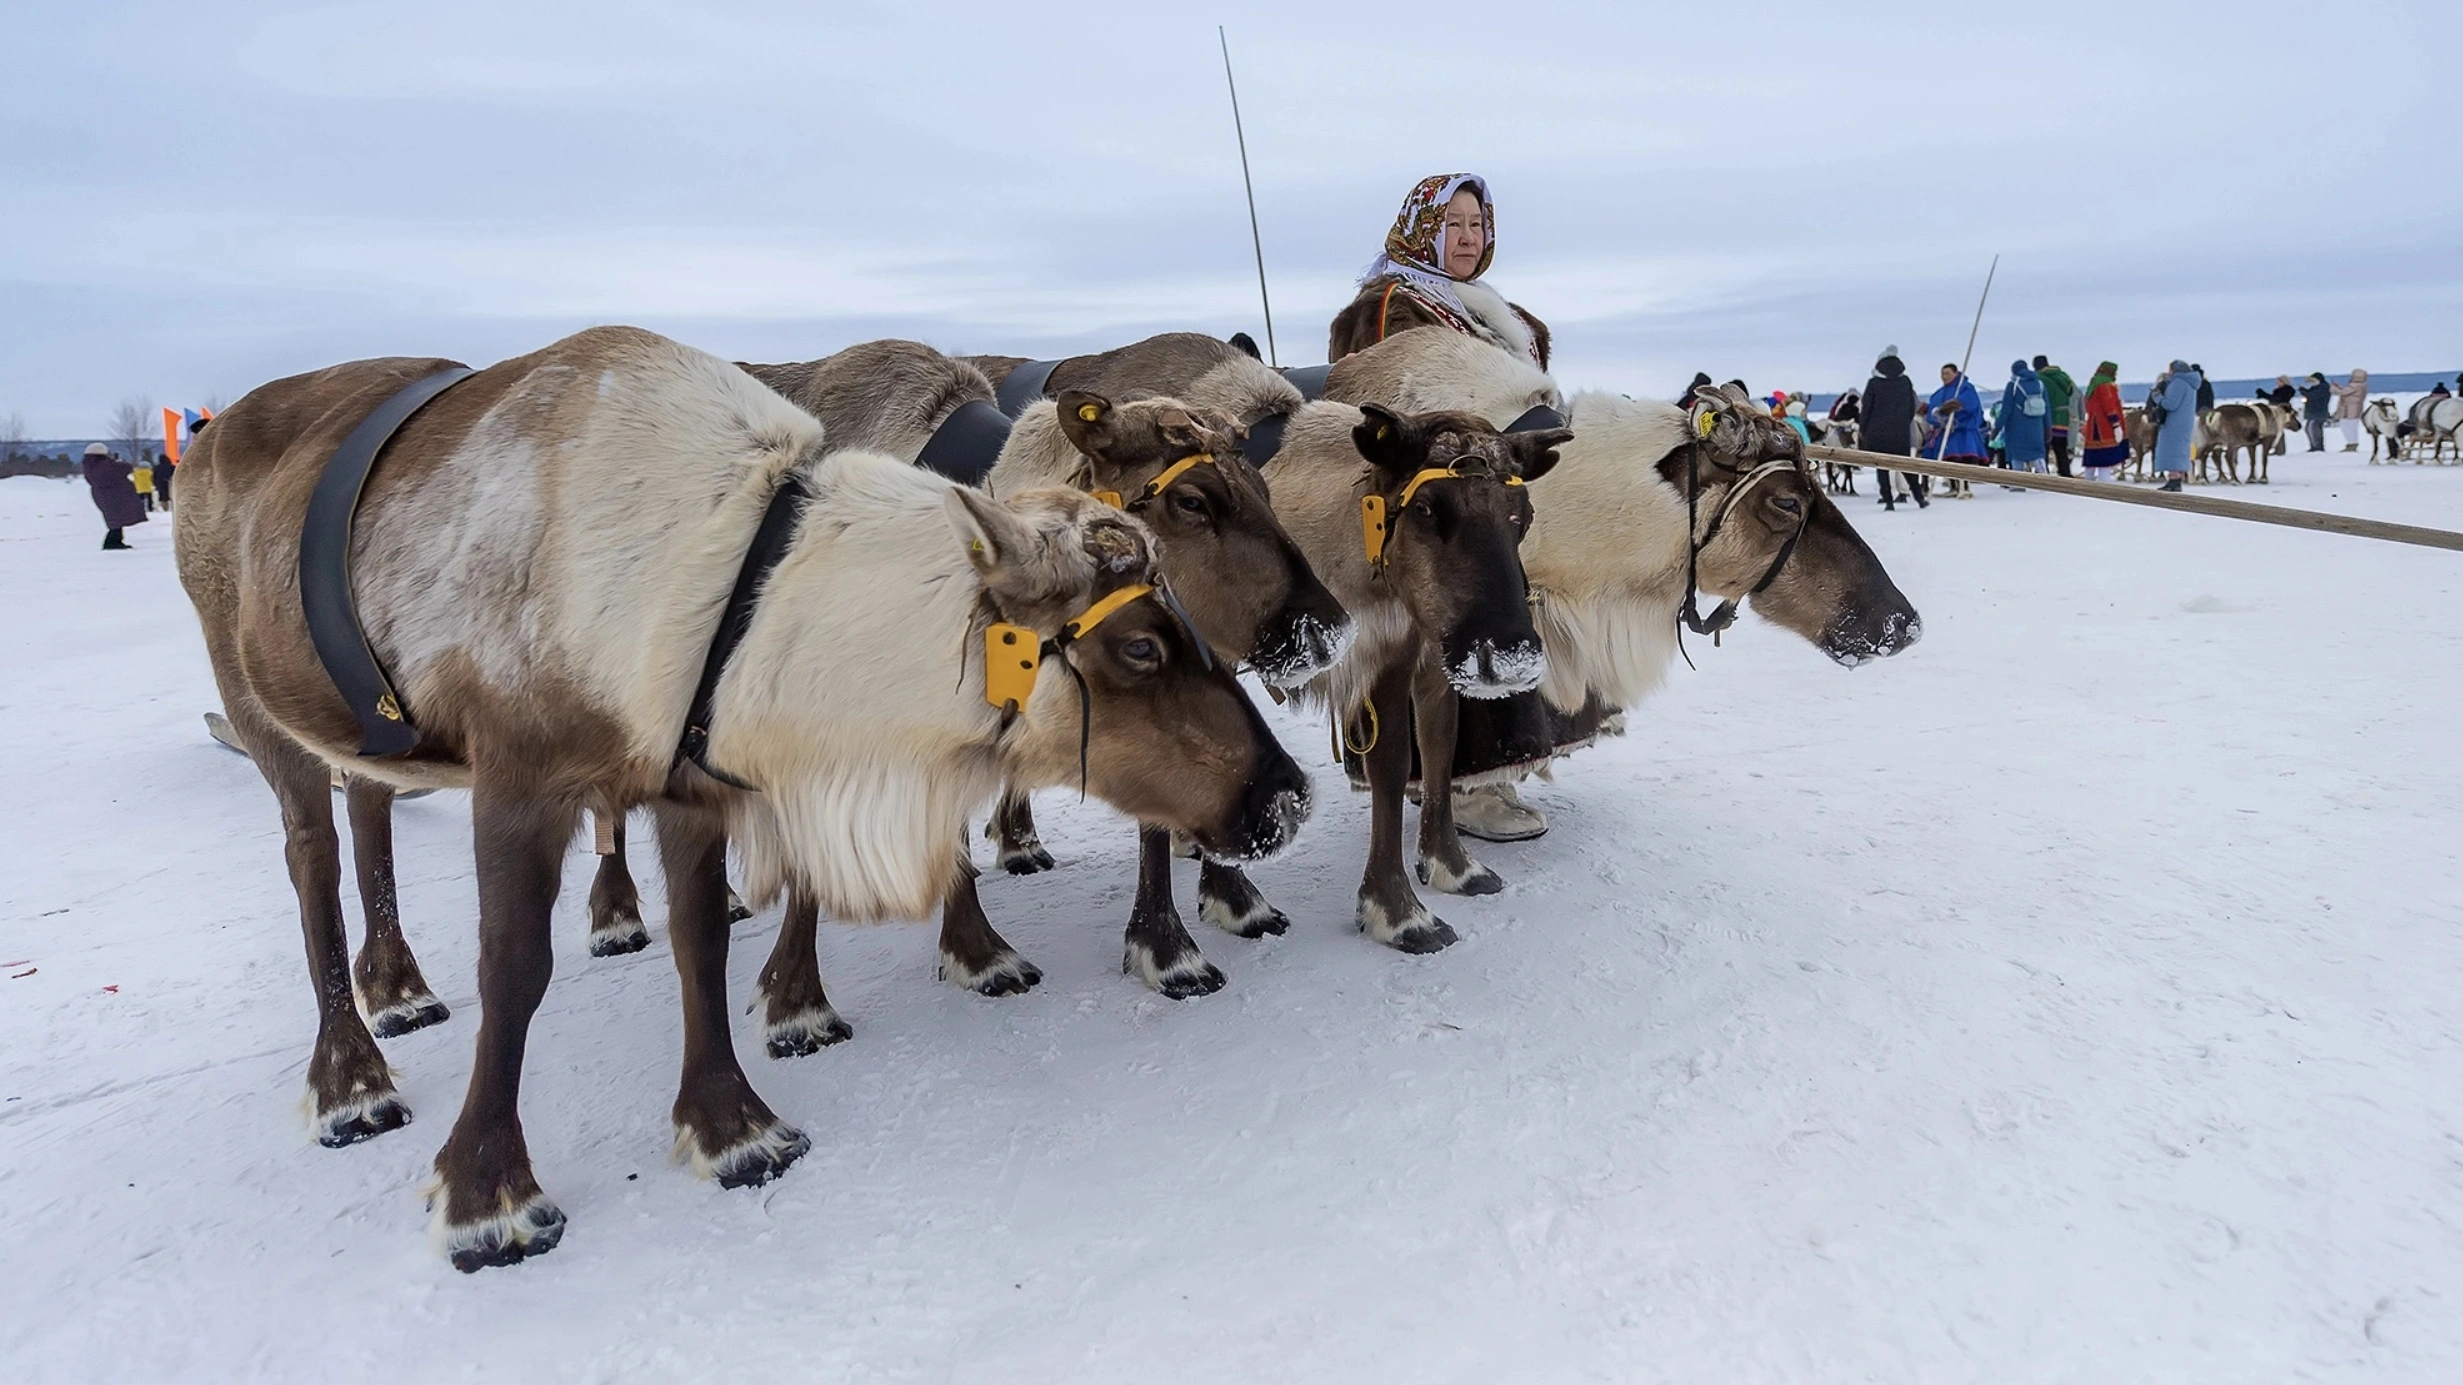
[171, 435]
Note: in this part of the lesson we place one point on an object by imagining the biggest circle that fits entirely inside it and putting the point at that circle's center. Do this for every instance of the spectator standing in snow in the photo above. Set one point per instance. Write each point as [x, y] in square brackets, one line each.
[108, 478]
[1888, 425]
[2101, 425]
[142, 477]
[2317, 406]
[1957, 408]
[2206, 390]
[2179, 402]
[2281, 394]
[2060, 403]
[2350, 400]
[2026, 415]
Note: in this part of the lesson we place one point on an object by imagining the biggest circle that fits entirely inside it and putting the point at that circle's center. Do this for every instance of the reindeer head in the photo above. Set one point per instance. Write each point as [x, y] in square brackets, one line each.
[1235, 569]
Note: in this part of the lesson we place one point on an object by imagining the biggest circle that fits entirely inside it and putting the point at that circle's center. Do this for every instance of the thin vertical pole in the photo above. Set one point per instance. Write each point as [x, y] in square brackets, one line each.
[1273, 358]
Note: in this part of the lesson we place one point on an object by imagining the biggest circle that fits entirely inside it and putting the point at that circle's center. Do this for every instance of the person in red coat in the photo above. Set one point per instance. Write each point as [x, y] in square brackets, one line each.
[2104, 435]
[114, 493]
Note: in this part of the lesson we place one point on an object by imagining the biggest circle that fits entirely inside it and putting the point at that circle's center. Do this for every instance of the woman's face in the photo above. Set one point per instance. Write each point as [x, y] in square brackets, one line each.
[1948, 373]
[1466, 234]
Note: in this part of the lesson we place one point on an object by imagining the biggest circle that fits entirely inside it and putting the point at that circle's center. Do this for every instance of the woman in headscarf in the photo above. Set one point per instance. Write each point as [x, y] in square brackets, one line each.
[1428, 275]
[2100, 418]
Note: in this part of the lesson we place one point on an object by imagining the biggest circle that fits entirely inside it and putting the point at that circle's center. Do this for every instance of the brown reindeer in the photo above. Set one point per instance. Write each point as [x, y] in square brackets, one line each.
[541, 563]
[2236, 428]
[1644, 508]
[1421, 547]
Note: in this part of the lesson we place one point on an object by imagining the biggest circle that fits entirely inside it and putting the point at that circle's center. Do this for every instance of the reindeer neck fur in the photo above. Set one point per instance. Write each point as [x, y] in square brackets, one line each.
[1038, 453]
[1438, 368]
[1606, 552]
[1317, 479]
[856, 702]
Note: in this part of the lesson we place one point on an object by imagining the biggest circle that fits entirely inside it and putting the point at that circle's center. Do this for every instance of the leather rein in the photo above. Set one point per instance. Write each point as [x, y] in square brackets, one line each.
[1700, 538]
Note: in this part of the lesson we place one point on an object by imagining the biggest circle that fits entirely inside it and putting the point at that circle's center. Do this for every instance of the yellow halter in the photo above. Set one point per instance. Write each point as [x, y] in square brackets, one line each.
[1155, 487]
[1375, 533]
[1012, 655]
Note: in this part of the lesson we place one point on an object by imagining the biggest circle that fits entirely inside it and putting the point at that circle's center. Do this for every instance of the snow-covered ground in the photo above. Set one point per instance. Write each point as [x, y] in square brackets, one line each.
[2074, 997]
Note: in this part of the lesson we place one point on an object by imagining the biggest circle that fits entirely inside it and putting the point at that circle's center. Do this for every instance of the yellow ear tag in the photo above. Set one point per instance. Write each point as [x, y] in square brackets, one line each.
[1011, 654]
[1705, 422]
[1088, 413]
[1111, 498]
[1372, 527]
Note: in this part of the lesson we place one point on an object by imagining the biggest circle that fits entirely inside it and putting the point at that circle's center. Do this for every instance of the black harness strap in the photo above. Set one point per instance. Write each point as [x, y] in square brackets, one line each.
[1265, 439]
[1310, 380]
[769, 549]
[325, 571]
[966, 444]
[1024, 386]
[1538, 416]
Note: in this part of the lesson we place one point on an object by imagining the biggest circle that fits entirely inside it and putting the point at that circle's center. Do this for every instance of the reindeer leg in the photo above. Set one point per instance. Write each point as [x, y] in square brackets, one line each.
[393, 994]
[797, 1017]
[722, 1127]
[350, 1090]
[973, 954]
[1156, 949]
[1444, 864]
[1012, 830]
[488, 1209]
[1389, 910]
[615, 903]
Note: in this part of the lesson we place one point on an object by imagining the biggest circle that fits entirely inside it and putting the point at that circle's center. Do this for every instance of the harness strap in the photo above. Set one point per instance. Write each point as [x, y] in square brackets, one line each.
[1024, 385]
[1376, 531]
[967, 443]
[768, 550]
[1385, 304]
[1101, 611]
[1265, 439]
[325, 570]
[1536, 417]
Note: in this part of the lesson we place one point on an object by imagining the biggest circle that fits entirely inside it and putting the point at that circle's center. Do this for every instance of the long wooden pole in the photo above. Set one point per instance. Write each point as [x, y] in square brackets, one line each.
[1273, 358]
[1965, 358]
[2161, 500]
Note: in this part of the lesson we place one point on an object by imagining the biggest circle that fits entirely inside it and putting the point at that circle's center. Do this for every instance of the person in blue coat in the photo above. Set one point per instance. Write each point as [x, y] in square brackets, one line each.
[1956, 407]
[2025, 411]
[2179, 398]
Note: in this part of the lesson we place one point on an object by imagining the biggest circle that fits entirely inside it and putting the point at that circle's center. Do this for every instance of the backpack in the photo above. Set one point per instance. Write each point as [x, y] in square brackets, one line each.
[2032, 405]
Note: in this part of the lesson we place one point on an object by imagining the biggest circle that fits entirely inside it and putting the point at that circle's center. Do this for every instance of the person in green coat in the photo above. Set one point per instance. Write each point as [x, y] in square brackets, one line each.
[2060, 399]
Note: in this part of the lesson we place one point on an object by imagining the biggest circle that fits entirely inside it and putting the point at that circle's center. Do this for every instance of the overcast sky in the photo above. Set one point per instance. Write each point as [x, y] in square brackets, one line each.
[196, 197]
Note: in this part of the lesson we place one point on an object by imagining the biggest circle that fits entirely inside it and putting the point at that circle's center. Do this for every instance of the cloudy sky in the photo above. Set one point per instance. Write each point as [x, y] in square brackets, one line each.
[196, 197]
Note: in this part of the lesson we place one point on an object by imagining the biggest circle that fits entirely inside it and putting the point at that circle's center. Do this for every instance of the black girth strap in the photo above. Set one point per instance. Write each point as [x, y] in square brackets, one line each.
[1024, 386]
[325, 571]
[1310, 380]
[769, 549]
[1265, 439]
[1537, 417]
[966, 444]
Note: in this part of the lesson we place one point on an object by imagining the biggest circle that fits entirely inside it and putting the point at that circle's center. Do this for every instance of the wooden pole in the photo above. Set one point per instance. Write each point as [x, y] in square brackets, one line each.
[2161, 500]
[1273, 358]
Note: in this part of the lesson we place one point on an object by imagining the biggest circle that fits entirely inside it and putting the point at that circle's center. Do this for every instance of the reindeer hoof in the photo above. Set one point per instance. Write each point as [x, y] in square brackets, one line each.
[1188, 976]
[801, 1035]
[750, 1163]
[1030, 859]
[619, 938]
[1478, 879]
[507, 1238]
[1007, 974]
[408, 1016]
[362, 1119]
[1415, 931]
[1258, 920]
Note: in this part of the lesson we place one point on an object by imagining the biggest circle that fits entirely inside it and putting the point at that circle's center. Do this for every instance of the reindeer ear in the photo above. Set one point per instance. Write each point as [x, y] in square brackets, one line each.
[997, 539]
[1087, 420]
[1117, 546]
[1390, 443]
[1181, 432]
[1534, 453]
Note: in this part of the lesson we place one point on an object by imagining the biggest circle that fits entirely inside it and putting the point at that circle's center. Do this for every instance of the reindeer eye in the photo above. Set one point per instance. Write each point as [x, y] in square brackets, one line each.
[1791, 504]
[1142, 651]
[1189, 505]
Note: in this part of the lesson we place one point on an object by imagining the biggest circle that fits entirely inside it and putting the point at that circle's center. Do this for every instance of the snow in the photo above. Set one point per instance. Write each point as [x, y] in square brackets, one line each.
[2072, 997]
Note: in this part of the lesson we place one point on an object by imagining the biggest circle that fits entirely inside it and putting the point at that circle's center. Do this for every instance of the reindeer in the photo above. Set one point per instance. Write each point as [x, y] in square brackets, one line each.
[542, 563]
[2236, 428]
[2434, 420]
[2386, 428]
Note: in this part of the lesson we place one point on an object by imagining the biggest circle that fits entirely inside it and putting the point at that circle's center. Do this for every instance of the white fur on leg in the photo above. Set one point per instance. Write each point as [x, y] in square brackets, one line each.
[746, 1163]
[624, 933]
[1009, 974]
[1256, 920]
[514, 1233]
[1413, 930]
[407, 1015]
[1189, 975]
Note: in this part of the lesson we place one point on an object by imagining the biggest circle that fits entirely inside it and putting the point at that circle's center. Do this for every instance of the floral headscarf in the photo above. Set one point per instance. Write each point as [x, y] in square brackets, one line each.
[1415, 254]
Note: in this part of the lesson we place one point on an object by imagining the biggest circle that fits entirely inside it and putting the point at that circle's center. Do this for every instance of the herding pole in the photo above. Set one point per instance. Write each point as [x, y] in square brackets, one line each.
[1970, 354]
[1272, 357]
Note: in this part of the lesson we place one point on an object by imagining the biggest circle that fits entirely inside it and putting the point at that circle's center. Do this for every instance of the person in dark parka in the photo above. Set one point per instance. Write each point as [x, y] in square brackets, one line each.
[2317, 407]
[2206, 391]
[1889, 415]
[114, 493]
